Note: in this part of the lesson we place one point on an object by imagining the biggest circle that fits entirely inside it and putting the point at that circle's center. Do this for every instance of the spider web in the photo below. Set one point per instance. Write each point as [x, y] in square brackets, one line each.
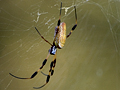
[90, 58]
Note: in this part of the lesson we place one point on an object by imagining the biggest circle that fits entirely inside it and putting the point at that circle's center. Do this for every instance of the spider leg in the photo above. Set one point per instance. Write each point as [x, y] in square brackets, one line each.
[73, 28]
[51, 71]
[52, 66]
[59, 15]
[58, 24]
[42, 37]
[35, 73]
[47, 80]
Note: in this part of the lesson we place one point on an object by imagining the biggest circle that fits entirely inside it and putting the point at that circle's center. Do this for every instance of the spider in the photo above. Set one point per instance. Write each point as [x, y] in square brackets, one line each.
[58, 42]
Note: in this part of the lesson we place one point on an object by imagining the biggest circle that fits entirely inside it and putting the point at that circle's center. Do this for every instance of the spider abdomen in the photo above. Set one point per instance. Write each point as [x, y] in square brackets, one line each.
[61, 35]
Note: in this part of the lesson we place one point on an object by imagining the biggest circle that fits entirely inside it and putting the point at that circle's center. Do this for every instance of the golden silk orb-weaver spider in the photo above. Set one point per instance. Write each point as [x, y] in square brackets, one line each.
[58, 42]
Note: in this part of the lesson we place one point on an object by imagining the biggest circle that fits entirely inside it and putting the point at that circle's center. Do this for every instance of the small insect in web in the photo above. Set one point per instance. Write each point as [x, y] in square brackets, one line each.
[58, 43]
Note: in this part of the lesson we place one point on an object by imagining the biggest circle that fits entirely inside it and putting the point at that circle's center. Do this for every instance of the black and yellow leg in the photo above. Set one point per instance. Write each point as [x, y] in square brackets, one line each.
[52, 66]
[58, 24]
[35, 73]
[73, 28]
[51, 71]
